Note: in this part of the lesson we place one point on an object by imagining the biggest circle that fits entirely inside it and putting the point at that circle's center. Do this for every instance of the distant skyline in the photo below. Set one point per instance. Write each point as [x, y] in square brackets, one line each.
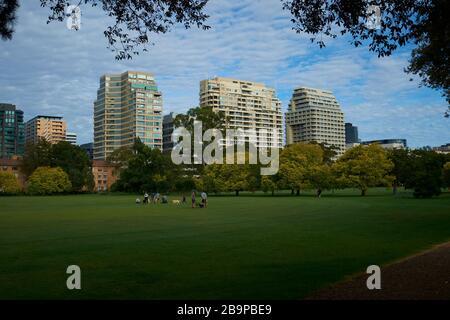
[48, 69]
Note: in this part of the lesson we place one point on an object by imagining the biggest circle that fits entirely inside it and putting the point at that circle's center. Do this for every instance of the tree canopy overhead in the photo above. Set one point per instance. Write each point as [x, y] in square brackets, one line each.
[422, 23]
[134, 20]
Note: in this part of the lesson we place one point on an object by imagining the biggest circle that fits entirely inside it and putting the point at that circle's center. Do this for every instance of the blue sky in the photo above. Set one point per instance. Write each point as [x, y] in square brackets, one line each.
[48, 69]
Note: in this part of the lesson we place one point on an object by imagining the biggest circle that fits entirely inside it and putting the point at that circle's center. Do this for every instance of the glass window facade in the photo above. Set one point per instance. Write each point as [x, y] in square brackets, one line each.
[12, 131]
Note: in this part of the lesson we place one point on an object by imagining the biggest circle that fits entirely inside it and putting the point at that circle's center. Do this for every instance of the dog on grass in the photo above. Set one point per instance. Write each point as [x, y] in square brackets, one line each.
[176, 201]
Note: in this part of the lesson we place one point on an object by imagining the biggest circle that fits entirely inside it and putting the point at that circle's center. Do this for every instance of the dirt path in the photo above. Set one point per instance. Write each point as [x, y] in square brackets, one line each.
[423, 276]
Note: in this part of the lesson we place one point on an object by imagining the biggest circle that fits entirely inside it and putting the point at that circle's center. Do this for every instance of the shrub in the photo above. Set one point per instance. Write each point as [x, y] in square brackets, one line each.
[9, 183]
[46, 180]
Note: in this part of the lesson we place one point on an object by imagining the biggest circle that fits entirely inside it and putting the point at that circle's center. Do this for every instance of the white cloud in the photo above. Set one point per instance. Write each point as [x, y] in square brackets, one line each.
[49, 69]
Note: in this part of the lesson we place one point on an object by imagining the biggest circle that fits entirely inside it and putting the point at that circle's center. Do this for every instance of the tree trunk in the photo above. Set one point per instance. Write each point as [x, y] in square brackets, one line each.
[292, 192]
[273, 193]
[297, 193]
[363, 192]
[237, 193]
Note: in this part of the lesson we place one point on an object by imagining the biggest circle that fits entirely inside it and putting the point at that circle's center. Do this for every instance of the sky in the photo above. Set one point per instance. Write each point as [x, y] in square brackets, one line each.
[49, 69]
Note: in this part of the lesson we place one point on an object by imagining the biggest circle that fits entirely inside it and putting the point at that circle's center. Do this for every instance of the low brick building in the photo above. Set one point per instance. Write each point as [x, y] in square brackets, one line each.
[105, 175]
[13, 165]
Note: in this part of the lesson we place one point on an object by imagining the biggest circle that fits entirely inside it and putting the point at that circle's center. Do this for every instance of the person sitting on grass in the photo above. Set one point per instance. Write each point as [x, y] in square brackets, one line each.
[138, 201]
[164, 199]
[146, 198]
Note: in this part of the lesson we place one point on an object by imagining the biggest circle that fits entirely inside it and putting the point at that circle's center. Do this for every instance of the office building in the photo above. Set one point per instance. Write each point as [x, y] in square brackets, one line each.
[351, 133]
[12, 131]
[168, 126]
[128, 106]
[89, 148]
[315, 115]
[248, 105]
[388, 143]
[71, 137]
[51, 128]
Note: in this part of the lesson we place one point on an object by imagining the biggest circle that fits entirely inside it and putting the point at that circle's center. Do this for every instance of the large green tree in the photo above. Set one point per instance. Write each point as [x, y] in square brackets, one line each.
[36, 155]
[232, 177]
[402, 166]
[425, 173]
[209, 120]
[296, 162]
[144, 169]
[76, 163]
[363, 167]
[72, 159]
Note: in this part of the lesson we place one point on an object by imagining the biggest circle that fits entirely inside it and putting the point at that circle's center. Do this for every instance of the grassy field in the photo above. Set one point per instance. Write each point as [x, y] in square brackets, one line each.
[259, 247]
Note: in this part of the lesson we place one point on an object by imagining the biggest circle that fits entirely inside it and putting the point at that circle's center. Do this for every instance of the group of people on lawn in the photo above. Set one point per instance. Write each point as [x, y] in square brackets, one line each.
[157, 198]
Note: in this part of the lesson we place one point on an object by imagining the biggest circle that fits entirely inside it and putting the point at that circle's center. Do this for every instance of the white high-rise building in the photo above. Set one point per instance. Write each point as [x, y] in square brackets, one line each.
[128, 106]
[315, 115]
[248, 106]
[71, 137]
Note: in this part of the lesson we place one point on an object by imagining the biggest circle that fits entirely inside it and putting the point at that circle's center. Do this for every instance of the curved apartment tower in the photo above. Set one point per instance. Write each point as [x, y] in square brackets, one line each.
[128, 106]
[315, 115]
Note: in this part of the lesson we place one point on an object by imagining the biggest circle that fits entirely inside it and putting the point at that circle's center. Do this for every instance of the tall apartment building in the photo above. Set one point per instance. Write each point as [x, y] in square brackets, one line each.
[128, 106]
[51, 128]
[12, 131]
[71, 137]
[248, 105]
[315, 115]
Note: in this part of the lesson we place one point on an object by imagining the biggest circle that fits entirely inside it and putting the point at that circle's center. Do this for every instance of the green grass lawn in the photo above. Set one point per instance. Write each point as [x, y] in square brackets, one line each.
[258, 246]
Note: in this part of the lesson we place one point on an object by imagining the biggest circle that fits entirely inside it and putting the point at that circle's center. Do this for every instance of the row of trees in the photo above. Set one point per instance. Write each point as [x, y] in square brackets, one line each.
[66, 168]
[305, 166]
[51, 168]
[302, 166]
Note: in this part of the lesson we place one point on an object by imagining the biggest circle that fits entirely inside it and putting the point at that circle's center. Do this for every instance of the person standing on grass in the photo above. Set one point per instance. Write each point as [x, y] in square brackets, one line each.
[193, 199]
[204, 198]
[146, 198]
[319, 192]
